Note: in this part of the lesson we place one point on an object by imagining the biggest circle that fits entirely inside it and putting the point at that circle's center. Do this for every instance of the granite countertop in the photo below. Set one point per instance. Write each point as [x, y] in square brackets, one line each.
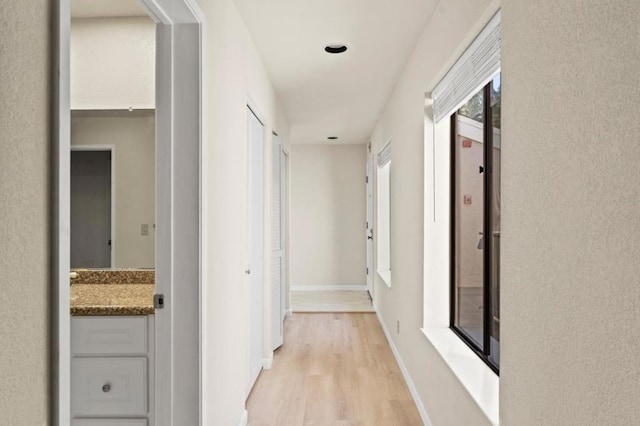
[112, 299]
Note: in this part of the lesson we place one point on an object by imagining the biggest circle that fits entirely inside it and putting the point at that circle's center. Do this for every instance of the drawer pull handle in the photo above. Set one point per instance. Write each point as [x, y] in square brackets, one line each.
[106, 387]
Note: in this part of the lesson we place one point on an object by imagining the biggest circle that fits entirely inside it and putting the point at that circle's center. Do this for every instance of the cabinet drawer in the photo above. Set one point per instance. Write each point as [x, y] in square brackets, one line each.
[112, 387]
[109, 422]
[109, 335]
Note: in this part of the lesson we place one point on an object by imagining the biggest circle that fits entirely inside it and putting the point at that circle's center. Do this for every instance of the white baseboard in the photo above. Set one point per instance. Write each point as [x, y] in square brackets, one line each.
[405, 373]
[245, 419]
[289, 312]
[336, 287]
[267, 362]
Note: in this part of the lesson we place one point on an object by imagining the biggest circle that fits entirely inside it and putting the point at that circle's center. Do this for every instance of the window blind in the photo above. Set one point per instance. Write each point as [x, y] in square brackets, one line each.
[475, 68]
[384, 157]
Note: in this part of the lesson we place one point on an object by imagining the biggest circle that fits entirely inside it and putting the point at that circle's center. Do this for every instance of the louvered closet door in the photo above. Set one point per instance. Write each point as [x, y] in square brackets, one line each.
[277, 247]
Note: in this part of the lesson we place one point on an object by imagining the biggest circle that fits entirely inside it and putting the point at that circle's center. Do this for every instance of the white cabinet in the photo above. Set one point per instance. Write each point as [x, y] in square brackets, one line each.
[112, 369]
[109, 422]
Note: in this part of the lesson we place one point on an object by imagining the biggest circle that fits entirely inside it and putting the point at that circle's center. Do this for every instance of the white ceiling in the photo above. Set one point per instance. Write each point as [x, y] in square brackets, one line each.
[334, 95]
[105, 9]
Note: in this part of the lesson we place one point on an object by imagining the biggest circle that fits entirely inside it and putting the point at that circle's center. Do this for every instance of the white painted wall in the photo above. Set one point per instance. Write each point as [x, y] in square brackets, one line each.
[234, 73]
[25, 212]
[452, 27]
[133, 134]
[570, 299]
[113, 63]
[328, 215]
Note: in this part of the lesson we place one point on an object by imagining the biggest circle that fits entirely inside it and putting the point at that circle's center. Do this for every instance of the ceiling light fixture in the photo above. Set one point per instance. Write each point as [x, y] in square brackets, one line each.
[332, 138]
[335, 48]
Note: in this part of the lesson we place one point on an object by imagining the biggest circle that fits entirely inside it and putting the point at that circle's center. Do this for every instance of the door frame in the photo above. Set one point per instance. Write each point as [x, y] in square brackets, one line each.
[181, 217]
[112, 149]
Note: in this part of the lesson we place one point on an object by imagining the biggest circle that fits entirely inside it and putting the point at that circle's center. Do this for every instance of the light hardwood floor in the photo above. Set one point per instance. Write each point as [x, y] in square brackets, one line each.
[331, 301]
[333, 369]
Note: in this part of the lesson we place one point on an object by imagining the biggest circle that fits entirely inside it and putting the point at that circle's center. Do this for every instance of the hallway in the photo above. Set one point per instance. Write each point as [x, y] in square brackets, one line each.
[331, 301]
[333, 369]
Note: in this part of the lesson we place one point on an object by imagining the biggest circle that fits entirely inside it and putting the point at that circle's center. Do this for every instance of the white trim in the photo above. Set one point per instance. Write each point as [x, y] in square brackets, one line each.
[405, 372]
[244, 420]
[267, 362]
[385, 276]
[476, 377]
[261, 116]
[61, 289]
[112, 149]
[336, 287]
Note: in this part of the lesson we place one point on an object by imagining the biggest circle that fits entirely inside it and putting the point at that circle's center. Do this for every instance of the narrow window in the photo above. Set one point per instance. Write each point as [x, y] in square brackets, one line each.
[475, 222]
[384, 215]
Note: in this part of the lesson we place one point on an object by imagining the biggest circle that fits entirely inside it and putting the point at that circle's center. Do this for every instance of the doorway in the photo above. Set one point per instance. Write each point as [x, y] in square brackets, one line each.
[92, 207]
[180, 214]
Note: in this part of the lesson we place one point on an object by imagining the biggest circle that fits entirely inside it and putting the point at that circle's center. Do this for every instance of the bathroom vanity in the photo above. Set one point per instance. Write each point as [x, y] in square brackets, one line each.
[112, 350]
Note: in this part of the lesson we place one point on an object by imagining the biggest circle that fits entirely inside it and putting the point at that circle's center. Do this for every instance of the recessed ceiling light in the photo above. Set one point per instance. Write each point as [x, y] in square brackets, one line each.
[335, 48]
[332, 138]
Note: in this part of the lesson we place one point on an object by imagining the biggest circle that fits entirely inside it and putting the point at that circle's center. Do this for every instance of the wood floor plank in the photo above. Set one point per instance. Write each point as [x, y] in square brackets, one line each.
[331, 301]
[333, 369]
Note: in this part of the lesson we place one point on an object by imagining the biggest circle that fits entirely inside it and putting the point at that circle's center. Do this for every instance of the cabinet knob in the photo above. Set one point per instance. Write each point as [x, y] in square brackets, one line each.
[106, 387]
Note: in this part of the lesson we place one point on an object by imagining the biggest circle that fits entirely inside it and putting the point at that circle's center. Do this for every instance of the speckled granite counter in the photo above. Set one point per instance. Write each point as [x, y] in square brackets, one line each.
[113, 276]
[112, 299]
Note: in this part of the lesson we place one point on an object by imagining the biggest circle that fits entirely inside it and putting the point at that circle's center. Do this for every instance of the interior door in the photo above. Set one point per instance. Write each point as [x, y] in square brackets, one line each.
[91, 209]
[370, 267]
[277, 245]
[255, 271]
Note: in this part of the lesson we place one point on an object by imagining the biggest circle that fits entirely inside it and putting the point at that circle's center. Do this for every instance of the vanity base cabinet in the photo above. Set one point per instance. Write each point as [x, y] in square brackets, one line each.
[109, 422]
[112, 368]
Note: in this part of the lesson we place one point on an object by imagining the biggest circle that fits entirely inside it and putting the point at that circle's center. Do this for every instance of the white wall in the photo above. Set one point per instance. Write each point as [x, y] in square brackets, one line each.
[24, 212]
[452, 27]
[113, 63]
[133, 134]
[328, 215]
[570, 299]
[234, 73]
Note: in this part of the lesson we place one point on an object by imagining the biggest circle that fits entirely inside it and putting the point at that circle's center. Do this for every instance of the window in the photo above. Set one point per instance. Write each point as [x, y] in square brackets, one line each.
[475, 222]
[384, 215]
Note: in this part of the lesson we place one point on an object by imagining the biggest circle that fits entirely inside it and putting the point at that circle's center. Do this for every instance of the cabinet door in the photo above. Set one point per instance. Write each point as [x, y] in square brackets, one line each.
[111, 387]
[109, 422]
[109, 335]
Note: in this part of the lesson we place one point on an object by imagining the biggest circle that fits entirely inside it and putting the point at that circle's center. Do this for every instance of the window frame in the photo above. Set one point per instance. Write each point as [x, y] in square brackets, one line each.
[384, 275]
[483, 352]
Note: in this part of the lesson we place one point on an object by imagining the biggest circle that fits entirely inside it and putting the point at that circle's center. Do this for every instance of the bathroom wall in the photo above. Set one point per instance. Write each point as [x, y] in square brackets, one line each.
[113, 63]
[133, 135]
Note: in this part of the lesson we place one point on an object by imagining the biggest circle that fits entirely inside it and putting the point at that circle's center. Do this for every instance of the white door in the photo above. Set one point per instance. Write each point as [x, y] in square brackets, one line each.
[255, 270]
[370, 267]
[277, 245]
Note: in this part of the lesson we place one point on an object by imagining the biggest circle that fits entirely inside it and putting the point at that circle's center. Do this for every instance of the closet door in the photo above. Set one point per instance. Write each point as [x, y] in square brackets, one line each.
[277, 245]
[255, 227]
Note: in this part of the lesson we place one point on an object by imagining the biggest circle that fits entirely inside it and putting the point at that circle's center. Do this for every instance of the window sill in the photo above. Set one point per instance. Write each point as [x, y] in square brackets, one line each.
[476, 377]
[386, 277]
